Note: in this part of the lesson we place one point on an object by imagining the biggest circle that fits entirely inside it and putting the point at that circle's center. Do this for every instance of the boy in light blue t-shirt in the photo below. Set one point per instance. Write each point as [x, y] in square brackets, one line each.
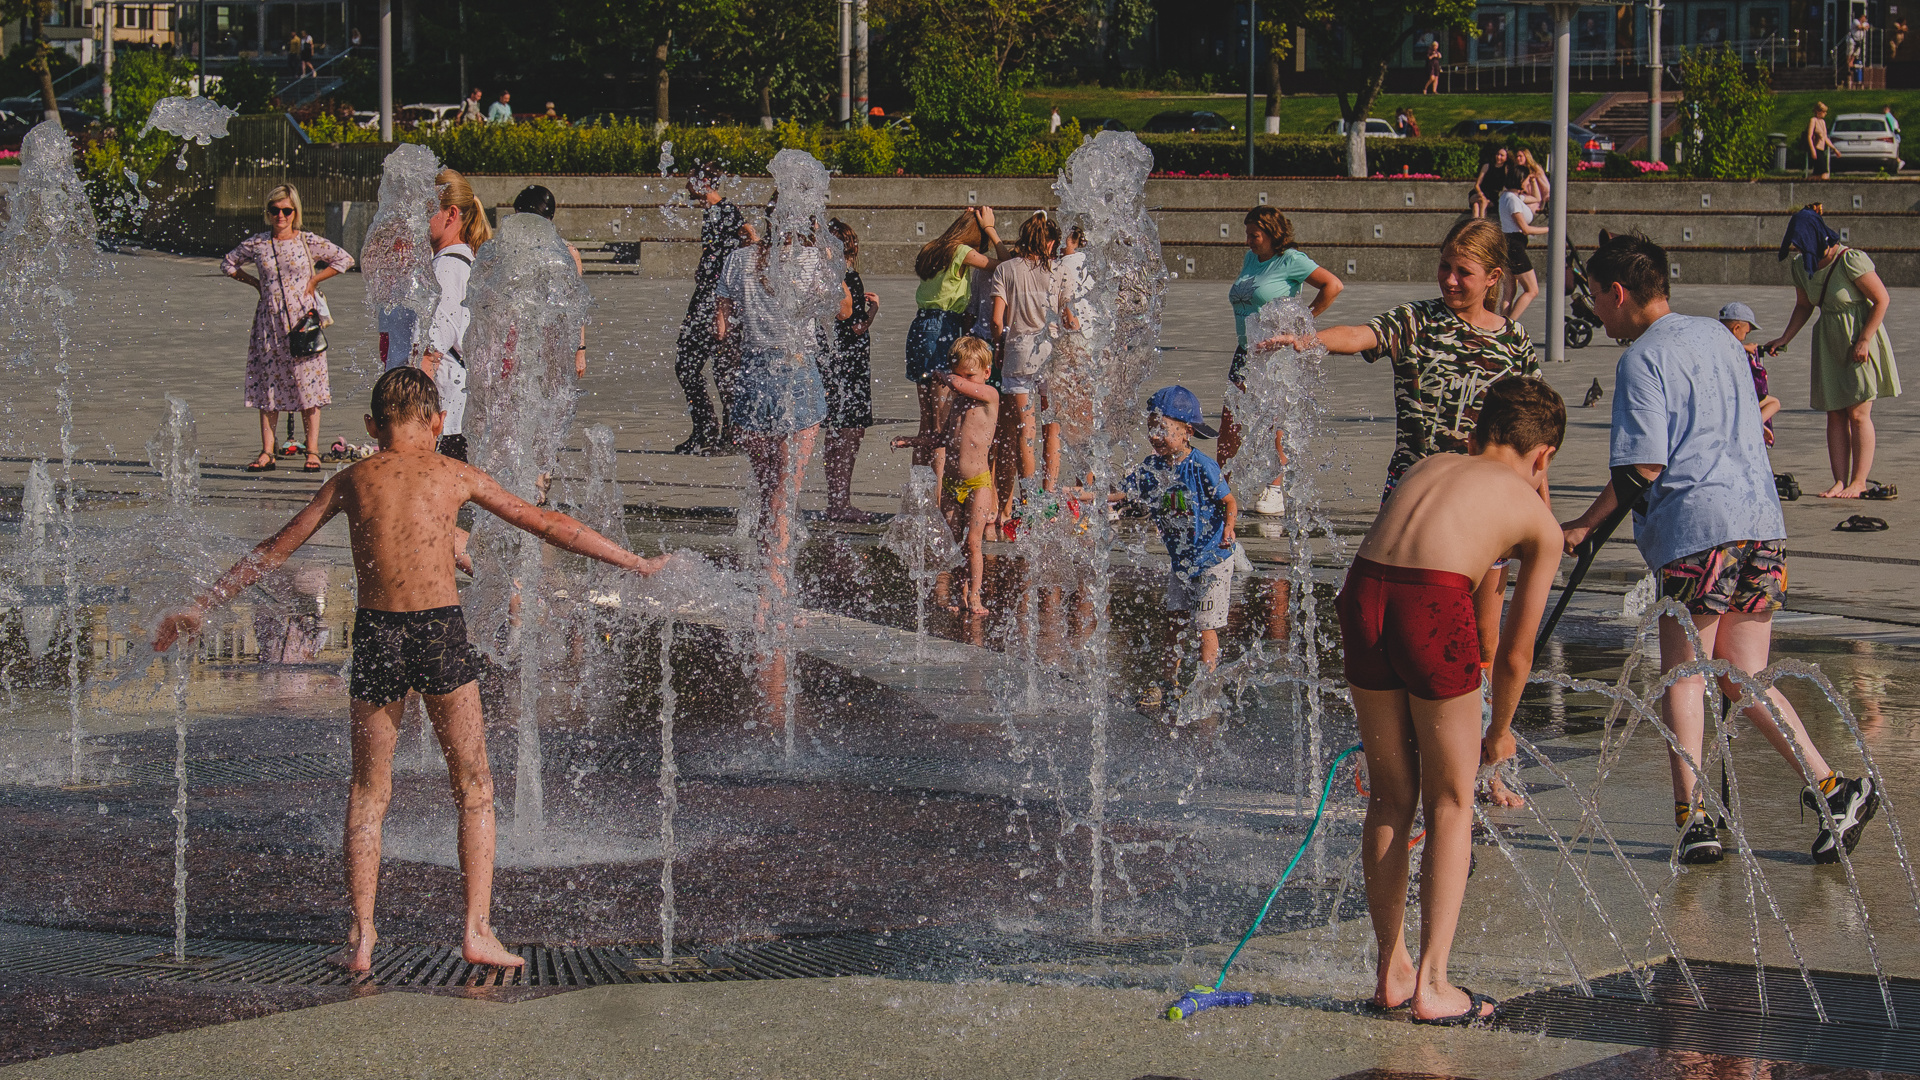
[1189, 502]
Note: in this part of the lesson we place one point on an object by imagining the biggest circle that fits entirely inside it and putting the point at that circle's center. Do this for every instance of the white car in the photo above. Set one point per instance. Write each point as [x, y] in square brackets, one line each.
[1376, 129]
[1865, 139]
[431, 115]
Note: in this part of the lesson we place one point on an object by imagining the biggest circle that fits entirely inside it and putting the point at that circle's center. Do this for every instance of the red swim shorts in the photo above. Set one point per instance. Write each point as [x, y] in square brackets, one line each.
[1407, 628]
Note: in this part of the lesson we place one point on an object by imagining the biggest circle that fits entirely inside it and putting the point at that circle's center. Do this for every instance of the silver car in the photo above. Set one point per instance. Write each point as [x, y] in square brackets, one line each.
[1865, 139]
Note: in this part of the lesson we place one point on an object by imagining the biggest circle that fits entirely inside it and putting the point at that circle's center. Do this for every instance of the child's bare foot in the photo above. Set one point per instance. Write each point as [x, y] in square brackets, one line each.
[1395, 983]
[482, 947]
[357, 953]
[1499, 794]
[978, 608]
[1833, 492]
[1451, 1003]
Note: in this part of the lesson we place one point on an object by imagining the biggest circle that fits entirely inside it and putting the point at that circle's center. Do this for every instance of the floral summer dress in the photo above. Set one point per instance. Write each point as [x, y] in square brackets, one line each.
[277, 380]
[1838, 382]
[1441, 370]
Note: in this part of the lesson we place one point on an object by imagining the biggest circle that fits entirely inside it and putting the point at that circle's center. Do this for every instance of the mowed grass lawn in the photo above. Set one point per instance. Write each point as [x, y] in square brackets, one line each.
[1308, 114]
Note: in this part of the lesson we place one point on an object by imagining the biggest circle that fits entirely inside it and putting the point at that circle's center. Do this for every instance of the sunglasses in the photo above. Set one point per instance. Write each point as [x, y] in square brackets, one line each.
[280, 211]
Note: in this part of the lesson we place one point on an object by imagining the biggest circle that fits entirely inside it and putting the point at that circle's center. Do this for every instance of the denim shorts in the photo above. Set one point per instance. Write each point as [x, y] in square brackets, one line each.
[930, 342]
[776, 393]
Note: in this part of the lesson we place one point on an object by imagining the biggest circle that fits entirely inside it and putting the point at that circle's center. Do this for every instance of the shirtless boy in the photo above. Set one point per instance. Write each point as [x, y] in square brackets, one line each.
[967, 440]
[409, 633]
[1413, 663]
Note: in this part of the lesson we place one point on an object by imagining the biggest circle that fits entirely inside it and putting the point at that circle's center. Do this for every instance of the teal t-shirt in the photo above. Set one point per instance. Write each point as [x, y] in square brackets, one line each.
[1261, 283]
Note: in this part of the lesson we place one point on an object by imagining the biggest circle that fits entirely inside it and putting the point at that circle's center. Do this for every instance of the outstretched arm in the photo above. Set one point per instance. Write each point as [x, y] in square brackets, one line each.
[1346, 340]
[262, 560]
[556, 528]
[1539, 563]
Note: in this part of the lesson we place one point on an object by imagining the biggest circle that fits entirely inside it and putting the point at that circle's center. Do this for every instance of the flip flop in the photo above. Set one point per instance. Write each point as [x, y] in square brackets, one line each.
[268, 466]
[1880, 491]
[1472, 1016]
[1861, 523]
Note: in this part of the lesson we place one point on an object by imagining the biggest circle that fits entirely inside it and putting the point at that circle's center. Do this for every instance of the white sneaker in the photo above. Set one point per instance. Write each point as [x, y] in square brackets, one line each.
[1272, 502]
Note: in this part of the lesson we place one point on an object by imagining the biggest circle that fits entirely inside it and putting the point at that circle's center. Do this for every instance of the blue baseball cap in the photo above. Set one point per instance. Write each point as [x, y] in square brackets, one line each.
[1739, 312]
[1178, 403]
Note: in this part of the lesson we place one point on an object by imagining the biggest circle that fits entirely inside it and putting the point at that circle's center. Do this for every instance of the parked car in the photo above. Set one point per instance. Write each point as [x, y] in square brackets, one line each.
[1594, 146]
[16, 121]
[1469, 129]
[1865, 139]
[1168, 123]
[366, 118]
[1101, 123]
[1376, 129]
[430, 115]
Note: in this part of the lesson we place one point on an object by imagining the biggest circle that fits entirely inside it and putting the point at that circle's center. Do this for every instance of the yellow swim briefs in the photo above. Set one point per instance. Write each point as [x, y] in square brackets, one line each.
[961, 489]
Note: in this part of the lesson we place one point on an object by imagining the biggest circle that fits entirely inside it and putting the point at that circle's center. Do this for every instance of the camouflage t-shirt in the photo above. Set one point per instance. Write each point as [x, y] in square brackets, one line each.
[1441, 370]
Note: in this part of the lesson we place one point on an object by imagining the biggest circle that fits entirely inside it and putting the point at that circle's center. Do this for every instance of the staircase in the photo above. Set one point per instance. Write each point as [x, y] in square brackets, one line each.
[296, 92]
[1623, 117]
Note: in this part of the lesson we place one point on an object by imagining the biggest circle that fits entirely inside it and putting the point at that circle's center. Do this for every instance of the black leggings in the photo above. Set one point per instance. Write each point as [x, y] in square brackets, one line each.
[697, 348]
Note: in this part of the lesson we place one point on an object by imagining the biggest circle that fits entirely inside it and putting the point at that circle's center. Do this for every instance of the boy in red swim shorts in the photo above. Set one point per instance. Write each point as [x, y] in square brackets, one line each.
[1413, 663]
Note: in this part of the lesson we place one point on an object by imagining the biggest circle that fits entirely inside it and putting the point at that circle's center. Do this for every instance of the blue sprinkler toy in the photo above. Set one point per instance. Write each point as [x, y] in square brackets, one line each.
[1201, 998]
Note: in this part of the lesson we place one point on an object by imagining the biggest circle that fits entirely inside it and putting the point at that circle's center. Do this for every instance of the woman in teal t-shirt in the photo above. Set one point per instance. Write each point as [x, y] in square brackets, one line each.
[1274, 269]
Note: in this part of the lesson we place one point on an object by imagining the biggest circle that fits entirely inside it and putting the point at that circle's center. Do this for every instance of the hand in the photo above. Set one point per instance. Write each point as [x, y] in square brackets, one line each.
[1573, 534]
[185, 622]
[580, 363]
[429, 362]
[1774, 347]
[312, 287]
[648, 567]
[1862, 351]
[1767, 434]
[985, 214]
[873, 306]
[1497, 747]
[902, 442]
[1226, 536]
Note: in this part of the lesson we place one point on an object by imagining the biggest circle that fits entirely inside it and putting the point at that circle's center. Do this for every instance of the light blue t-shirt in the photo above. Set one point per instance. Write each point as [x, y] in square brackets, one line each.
[1184, 498]
[1261, 283]
[1683, 398]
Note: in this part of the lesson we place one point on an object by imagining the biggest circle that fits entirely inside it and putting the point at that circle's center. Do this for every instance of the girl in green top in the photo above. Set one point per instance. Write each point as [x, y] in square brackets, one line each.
[945, 266]
[1852, 358]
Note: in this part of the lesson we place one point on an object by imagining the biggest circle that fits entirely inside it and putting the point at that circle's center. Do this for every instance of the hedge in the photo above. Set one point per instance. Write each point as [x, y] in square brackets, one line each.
[631, 148]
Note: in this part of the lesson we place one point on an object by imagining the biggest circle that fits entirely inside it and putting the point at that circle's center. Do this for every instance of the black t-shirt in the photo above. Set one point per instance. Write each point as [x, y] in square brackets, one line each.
[843, 328]
[721, 230]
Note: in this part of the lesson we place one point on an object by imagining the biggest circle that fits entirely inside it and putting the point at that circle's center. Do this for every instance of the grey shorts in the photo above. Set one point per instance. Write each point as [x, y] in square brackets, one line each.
[1207, 594]
[776, 393]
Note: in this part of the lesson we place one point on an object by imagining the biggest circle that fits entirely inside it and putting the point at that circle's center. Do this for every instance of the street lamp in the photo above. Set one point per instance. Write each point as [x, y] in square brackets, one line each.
[1562, 13]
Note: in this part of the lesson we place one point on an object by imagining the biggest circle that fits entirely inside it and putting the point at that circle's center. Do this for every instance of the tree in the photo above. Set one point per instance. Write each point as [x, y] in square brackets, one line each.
[1726, 111]
[966, 116]
[1015, 34]
[245, 88]
[1369, 34]
[35, 13]
[790, 44]
[1279, 47]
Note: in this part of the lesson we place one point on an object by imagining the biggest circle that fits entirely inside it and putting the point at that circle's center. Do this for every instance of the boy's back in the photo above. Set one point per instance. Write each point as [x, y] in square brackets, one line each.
[1461, 514]
[401, 508]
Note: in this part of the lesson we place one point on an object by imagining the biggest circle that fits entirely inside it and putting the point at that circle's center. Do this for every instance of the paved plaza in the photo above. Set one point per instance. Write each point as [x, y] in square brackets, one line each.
[163, 324]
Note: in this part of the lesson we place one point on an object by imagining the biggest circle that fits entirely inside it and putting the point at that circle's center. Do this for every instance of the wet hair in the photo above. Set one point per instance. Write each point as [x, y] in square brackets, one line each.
[1521, 413]
[290, 194]
[1035, 234]
[535, 199]
[706, 174]
[937, 254]
[1633, 262]
[973, 352]
[1480, 240]
[455, 192]
[1269, 220]
[405, 393]
[849, 240]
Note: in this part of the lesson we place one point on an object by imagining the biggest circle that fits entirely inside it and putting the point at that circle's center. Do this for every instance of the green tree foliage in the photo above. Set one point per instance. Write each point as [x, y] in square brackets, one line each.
[1369, 34]
[779, 54]
[1013, 34]
[967, 116]
[20, 78]
[119, 164]
[246, 88]
[1724, 130]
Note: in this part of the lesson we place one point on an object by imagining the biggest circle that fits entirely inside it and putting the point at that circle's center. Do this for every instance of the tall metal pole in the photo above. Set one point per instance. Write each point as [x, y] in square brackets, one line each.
[1557, 222]
[844, 110]
[1253, 40]
[386, 70]
[203, 48]
[862, 101]
[106, 59]
[1654, 123]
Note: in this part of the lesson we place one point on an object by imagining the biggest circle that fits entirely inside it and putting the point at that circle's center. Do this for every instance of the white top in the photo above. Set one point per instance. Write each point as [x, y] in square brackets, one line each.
[452, 267]
[1073, 272]
[1510, 204]
[769, 321]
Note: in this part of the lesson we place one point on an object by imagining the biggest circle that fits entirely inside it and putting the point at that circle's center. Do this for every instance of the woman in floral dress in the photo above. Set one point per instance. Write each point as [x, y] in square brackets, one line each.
[276, 379]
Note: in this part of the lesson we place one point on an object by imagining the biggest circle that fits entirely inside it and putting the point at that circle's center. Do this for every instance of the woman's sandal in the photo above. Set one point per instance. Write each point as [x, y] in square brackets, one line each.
[1472, 1016]
[312, 465]
[1861, 523]
[1877, 490]
[263, 466]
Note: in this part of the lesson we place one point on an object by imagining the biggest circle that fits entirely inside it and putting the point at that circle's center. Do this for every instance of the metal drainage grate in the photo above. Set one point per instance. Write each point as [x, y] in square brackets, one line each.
[1857, 1034]
[911, 954]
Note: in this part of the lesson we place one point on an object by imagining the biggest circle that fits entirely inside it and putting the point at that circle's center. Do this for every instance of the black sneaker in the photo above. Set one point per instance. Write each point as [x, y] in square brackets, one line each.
[696, 446]
[1853, 804]
[1701, 842]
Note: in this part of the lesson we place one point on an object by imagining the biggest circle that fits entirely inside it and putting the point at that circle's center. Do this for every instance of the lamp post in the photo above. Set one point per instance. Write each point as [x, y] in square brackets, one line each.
[1654, 58]
[386, 70]
[1253, 41]
[844, 110]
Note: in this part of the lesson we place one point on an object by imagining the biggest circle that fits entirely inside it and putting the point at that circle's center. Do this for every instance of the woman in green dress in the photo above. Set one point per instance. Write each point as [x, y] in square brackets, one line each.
[1852, 358]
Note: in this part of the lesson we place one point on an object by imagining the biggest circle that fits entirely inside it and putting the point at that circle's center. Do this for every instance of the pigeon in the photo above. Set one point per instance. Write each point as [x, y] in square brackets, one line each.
[1594, 393]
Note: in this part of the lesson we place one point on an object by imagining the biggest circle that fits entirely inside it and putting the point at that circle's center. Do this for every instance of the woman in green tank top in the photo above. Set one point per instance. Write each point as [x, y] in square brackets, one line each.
[945, 267]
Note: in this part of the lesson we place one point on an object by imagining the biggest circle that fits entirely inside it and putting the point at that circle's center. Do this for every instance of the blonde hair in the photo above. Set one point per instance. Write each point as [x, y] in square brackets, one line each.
[975, 354]
[289, 193]
[1480, 240]
[455, 192]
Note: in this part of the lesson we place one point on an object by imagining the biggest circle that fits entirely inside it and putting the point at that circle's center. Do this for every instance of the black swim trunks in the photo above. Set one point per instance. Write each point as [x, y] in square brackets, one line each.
[398, 651]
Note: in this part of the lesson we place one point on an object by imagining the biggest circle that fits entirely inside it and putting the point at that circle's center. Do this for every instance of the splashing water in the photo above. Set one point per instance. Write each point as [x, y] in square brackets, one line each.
[174, 452]
[919, 536]
[196, 119]
[397, 257]
[666, 157]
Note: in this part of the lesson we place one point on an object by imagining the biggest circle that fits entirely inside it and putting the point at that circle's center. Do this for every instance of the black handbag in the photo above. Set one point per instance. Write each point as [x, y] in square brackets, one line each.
[307, 336]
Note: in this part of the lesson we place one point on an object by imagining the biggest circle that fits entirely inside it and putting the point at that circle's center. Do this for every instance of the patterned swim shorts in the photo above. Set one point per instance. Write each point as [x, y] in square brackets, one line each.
[1748, 576]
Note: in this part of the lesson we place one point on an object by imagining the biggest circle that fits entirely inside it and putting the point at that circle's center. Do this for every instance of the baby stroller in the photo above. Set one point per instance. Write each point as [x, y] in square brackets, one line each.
[1580, 317]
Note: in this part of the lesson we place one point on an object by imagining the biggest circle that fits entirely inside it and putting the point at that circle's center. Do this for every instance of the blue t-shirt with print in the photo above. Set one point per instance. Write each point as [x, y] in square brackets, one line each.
[1261, 283]
[1683, 398]
[1184, 499]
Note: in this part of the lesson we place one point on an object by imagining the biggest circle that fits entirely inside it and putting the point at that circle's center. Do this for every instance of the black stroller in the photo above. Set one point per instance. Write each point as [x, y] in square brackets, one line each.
[1580, 317]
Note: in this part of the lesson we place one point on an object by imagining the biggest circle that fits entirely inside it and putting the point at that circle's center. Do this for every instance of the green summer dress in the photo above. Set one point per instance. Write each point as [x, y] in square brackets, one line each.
[1838, 382]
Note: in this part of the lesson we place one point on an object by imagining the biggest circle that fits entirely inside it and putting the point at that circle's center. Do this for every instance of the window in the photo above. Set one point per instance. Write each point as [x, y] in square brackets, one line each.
[1539, 33]
[1493, 35]
[1763, 22]
[1590, 31]
[1710, 26]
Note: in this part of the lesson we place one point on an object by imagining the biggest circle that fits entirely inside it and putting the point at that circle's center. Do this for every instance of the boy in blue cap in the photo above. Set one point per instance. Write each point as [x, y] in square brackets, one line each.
[1188, 500]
